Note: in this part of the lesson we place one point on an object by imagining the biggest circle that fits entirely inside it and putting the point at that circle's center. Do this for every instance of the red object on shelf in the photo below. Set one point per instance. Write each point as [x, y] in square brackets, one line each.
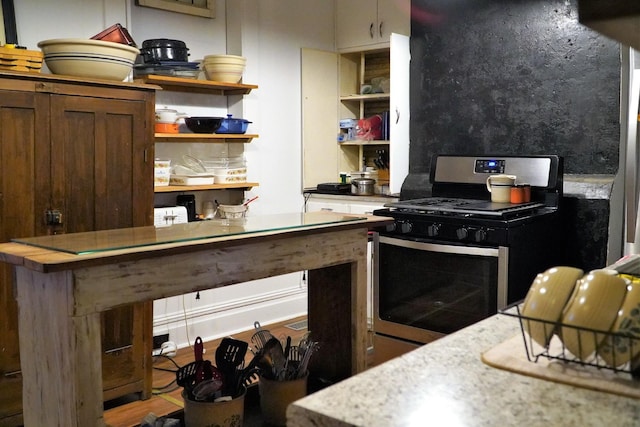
[117, 34]
[370, 128]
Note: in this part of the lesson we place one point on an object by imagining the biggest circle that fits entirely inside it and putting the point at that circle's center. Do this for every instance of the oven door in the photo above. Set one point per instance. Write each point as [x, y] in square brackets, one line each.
[424, 290]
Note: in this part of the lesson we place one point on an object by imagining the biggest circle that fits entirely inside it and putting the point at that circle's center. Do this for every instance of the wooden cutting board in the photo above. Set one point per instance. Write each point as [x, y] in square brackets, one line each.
[511, 356]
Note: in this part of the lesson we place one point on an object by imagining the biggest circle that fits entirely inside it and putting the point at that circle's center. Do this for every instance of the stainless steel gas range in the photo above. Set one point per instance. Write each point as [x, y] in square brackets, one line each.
[455, 258]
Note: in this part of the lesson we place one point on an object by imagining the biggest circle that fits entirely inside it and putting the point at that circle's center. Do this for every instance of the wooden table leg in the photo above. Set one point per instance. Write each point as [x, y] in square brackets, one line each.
[60, 354]
[337, 313]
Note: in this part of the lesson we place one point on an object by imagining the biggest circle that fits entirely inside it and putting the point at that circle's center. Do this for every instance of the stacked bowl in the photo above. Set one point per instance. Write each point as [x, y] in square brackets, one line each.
[224, 68]
[89, 58]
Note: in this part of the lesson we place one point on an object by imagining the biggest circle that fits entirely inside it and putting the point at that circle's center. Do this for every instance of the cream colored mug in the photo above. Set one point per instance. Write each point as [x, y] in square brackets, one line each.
[500, 187]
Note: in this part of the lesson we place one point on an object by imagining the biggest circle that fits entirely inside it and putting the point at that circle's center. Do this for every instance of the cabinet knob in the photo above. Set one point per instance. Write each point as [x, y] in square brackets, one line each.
[371, 30]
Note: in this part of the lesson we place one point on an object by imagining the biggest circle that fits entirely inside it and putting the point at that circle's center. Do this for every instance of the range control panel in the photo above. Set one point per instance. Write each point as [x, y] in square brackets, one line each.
[489, 166]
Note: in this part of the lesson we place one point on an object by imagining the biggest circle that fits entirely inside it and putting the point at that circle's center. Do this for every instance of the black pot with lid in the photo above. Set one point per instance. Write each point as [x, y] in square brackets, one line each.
[162, 50]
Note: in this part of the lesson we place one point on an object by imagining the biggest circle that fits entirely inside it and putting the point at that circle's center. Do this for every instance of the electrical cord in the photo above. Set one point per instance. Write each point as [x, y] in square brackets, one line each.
[165, 388]
[165, 369]
[186, 324]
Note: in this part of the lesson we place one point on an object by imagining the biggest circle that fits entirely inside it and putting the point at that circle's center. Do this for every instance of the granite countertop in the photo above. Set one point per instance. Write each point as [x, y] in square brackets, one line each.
[445, 383]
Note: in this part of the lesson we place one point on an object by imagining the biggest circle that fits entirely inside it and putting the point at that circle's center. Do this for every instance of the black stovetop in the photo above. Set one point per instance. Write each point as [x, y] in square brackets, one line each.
[461, 206]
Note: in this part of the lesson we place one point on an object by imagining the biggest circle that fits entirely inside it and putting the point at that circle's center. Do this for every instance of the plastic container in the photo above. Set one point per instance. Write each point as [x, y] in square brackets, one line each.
[226, 166]
[233, 125]
[232, 211]
[191, 180]
[161, 172]
[230, 179]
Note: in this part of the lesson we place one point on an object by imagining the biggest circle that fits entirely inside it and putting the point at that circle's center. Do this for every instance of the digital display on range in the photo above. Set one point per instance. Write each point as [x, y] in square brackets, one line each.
[489, 166]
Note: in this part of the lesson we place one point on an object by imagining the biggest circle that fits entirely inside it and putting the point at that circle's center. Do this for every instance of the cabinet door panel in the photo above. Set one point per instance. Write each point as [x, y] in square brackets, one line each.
[319, 77]
[94, 147]
[24, 157]
[356, 23]
[394, 16]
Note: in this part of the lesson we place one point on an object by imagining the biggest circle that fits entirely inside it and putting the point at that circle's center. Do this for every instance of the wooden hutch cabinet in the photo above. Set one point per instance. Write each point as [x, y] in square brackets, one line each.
[75, 155]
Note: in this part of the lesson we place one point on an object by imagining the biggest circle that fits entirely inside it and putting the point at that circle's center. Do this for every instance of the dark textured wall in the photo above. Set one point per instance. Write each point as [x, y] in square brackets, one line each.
[516, 77]
[512, 77]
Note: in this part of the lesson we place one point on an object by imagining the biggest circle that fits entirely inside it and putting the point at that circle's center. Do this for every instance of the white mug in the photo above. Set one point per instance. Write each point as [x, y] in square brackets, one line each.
[500, 187]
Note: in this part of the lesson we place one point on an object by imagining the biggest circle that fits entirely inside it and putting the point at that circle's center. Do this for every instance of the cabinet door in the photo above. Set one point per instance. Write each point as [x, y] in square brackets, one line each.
[394, 16]
[399, 112]
[100, 180]
[320, 150]
[356, 23]
[328, 206]
[100, 177]
[24, 177]
[369, 23]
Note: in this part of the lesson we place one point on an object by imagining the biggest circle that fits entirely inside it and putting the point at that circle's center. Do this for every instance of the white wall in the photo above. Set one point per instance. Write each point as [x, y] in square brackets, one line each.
[270, 34]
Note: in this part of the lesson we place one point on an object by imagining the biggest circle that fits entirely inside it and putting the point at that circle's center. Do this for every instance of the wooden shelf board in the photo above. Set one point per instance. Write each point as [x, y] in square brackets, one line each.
[180, 188]
[194, 85]
[365, 142]
[368, 97]
[204, 137]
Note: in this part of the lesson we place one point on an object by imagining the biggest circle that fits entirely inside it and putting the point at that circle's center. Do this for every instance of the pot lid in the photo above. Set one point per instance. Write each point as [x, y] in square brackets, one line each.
[230, 118]
[164, 43]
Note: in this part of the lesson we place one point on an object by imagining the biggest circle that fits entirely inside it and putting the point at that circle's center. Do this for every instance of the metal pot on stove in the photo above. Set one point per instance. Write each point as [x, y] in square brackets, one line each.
[362, 186]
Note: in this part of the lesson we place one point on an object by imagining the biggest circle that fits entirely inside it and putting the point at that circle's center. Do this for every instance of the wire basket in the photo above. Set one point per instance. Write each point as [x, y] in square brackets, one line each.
[617, 347]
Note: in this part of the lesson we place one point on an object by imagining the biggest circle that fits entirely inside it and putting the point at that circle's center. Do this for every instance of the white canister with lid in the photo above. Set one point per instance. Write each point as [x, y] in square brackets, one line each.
[167, 115]
[500, 187]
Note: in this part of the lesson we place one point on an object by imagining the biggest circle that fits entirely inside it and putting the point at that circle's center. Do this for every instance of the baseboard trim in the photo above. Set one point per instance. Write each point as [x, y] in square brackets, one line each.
[226, 318]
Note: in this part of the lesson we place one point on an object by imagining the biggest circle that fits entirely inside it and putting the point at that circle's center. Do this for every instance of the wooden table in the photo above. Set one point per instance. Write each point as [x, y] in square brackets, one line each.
[61, 295]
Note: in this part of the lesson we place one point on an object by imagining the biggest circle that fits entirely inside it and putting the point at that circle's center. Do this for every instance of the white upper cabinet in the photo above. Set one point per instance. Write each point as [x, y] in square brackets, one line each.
[369, 23]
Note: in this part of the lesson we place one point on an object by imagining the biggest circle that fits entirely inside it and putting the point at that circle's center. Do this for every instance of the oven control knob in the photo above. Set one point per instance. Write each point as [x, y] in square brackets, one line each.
[480, 235]
[405, 227]
[391, 227]
[462, 233]
[433, 230]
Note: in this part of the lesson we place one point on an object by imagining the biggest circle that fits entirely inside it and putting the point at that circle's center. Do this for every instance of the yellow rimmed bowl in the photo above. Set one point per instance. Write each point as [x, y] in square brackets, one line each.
[546, 299]
[224, 68]
[591, 312]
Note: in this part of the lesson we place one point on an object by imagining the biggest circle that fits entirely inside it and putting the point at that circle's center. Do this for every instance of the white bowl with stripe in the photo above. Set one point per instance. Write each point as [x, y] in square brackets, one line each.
[89, 58]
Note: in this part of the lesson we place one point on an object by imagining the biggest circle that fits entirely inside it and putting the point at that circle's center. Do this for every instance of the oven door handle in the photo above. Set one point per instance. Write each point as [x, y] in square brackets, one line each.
[439, 247]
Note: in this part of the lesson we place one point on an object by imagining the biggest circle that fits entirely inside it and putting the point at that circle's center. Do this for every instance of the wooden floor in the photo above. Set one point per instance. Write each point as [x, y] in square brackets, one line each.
[167, 401]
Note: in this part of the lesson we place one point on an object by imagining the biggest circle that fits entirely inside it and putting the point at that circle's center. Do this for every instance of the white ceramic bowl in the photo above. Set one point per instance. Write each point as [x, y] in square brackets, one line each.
[89, 58]
[594, 305]
[229, 73]
[616, 350]
[546, 299]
